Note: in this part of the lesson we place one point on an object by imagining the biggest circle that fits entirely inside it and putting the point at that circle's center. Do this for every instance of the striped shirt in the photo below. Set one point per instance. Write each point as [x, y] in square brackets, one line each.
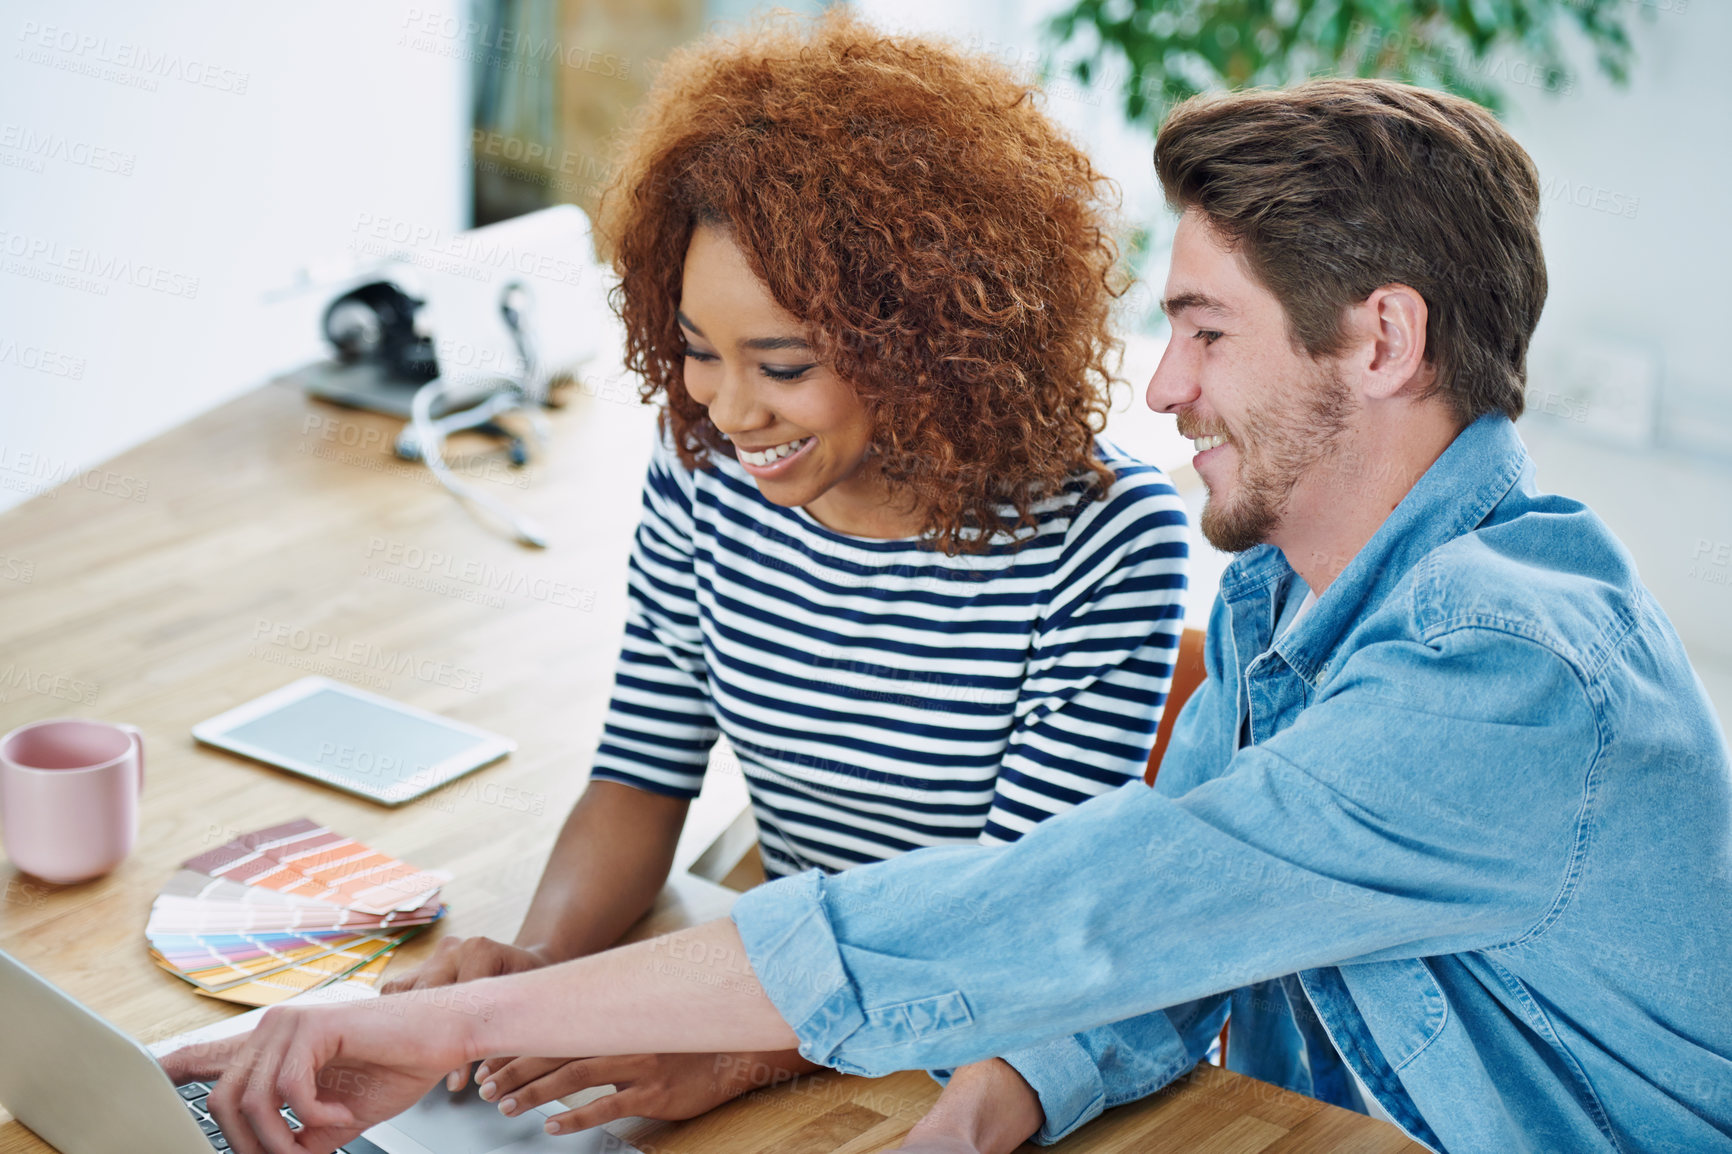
[881, 696]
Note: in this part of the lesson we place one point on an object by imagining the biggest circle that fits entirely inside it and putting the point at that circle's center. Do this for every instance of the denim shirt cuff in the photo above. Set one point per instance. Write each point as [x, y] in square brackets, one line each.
[793, 953]
[1068, 1082]
[1063, 1077]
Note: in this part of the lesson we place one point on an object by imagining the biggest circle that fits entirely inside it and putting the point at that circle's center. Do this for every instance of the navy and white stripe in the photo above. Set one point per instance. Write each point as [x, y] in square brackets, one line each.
[880, 695]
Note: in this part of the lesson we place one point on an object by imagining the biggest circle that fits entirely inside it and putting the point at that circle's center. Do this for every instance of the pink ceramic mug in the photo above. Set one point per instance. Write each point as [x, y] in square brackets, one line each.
[69, 792]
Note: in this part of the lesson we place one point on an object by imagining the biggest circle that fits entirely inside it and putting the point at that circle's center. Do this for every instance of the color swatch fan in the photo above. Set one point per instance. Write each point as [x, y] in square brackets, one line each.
[287, 909]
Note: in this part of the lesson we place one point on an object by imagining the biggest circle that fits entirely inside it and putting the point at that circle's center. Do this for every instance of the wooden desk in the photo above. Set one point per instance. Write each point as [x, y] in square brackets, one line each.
[276, 536]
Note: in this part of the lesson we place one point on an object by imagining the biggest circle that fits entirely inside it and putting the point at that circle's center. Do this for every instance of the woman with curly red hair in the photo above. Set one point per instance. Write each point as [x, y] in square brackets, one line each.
[881, 548]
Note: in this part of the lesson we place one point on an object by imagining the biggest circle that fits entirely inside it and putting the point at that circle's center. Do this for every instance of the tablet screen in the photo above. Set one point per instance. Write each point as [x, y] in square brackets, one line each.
[388, 751]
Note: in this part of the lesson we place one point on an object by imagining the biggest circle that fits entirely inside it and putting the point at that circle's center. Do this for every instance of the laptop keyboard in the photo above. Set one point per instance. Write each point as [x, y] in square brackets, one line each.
[194, 1094]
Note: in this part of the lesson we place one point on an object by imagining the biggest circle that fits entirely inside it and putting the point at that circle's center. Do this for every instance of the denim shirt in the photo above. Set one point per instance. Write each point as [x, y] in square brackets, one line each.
[1479, 845]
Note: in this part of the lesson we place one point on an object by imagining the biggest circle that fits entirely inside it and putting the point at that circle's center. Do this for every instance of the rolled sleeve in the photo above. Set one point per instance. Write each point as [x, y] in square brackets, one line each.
[1080, 1076]
[793, 951]
[1065, 1079]
[1064, 1076]
[1294, 858]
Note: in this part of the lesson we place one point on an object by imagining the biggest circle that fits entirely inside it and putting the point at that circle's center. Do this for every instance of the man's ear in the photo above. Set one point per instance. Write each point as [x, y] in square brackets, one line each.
[1388, 342]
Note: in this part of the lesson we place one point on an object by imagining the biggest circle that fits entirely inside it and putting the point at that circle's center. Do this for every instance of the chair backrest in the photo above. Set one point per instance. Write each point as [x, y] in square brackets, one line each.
[1188, 673]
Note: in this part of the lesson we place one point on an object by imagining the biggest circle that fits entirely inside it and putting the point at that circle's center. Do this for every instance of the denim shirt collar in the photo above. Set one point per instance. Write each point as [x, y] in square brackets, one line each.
[1455, 494]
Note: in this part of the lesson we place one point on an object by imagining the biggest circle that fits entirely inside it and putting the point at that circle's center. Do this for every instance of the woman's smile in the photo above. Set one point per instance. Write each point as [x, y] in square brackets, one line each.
[775, 460]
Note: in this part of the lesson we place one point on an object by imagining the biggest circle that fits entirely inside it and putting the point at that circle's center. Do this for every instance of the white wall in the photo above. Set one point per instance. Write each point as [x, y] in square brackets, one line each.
[232, 145]
[1636, 232]
[1638, 242]
[175, 163]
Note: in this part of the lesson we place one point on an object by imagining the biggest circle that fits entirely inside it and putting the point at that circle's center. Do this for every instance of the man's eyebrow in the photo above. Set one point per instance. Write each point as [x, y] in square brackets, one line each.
[760, 344]
[1174, 305]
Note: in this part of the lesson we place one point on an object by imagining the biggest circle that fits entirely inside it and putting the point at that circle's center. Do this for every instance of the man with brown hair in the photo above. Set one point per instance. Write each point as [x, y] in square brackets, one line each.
[1447, 829]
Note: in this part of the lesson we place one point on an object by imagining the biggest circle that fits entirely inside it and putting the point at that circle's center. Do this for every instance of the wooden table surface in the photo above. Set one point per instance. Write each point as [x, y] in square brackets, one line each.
[276, 536]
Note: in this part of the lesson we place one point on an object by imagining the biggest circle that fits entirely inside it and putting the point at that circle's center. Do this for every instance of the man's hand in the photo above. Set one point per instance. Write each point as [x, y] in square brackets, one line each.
[667, 1087]
[986, 1109]
[342, 1069]
[464, 960]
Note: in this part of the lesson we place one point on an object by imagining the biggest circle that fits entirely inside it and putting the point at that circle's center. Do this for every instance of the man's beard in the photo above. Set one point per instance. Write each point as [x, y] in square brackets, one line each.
[1277, 445]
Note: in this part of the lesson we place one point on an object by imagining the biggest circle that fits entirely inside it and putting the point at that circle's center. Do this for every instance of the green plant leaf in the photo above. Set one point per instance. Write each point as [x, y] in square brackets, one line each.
[1167, 50]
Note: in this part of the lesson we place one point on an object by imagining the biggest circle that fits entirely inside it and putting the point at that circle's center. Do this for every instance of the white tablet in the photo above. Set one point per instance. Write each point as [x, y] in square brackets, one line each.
[356, 741]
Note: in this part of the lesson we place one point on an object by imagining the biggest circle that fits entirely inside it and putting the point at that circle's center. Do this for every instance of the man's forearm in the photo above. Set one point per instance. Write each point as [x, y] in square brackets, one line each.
[684, 992]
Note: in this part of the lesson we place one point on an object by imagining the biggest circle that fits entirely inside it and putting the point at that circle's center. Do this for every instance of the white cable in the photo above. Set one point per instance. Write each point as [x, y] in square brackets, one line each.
[427, 436]
[502, 401]
[431, 441]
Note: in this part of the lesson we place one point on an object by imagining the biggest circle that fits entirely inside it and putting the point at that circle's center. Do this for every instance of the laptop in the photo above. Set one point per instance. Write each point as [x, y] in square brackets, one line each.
[85, 1087]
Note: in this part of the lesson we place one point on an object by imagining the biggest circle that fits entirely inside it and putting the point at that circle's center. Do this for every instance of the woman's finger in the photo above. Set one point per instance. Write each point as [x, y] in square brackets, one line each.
[399, 983]
[505, 1078]
[565, 1078]
[485, 1071]
[438, 970]
[621, 1104]
[475, 964]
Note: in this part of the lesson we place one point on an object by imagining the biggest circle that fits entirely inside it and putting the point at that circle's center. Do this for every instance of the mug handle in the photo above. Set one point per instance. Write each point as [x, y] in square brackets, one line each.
[137, 736]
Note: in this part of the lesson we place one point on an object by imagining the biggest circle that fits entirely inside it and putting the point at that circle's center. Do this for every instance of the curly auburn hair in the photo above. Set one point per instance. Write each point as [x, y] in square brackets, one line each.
[944, 242]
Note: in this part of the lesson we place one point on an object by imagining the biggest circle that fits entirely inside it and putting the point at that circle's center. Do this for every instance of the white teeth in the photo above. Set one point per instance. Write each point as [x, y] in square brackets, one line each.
[1204, 444]
[773, 454]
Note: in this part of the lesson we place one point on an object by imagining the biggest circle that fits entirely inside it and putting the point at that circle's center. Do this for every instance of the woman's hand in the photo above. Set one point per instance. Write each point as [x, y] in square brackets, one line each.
[341, 1069]
[667, 1087]
[464, 960]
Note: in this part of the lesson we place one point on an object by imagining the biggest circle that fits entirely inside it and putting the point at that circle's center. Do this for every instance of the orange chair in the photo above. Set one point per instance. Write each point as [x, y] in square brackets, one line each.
[1187, 675]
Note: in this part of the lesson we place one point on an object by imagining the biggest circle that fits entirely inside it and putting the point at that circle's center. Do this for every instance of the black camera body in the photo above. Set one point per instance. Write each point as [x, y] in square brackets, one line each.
[376, 323]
